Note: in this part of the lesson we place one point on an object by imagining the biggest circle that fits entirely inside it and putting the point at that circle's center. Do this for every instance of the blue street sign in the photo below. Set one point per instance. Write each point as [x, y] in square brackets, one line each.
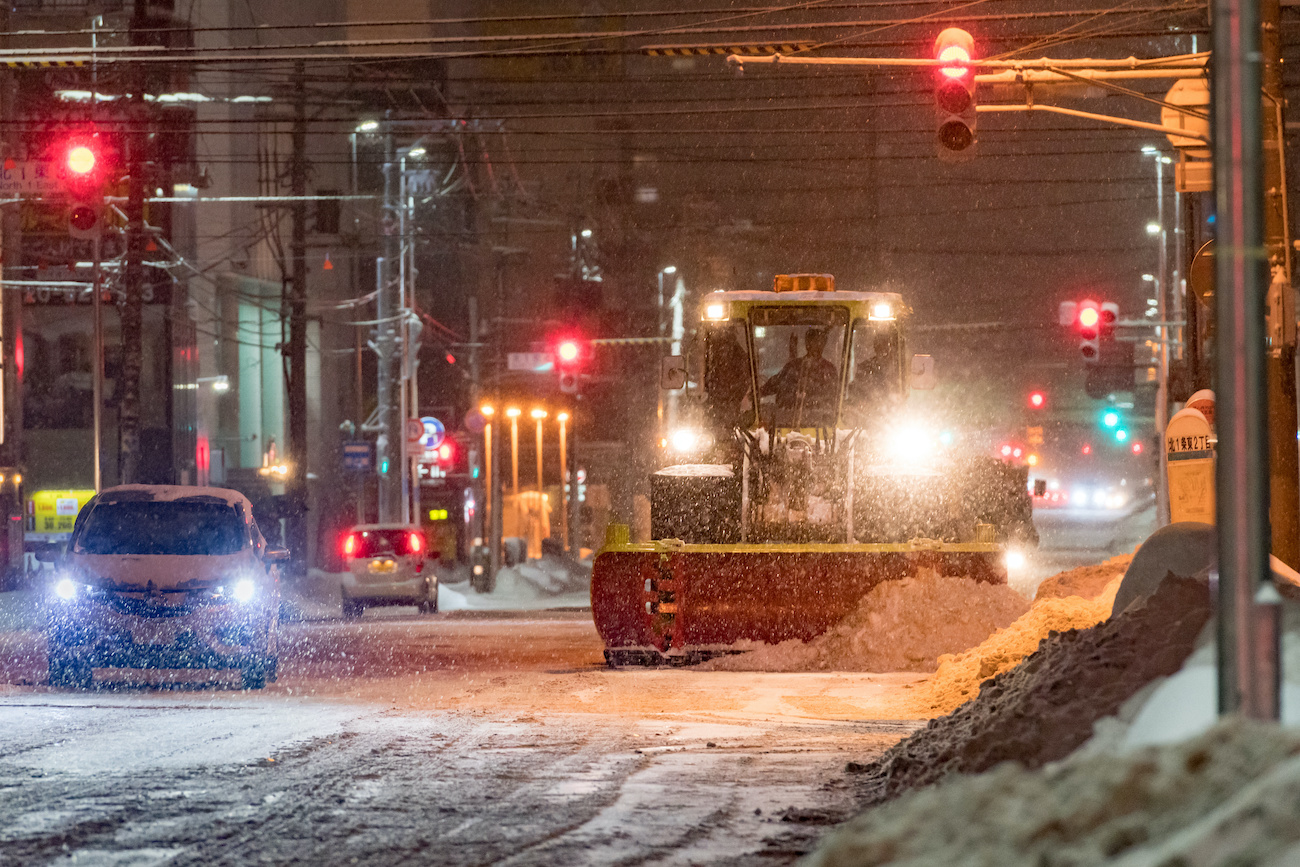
[357, 456]
[434, 432]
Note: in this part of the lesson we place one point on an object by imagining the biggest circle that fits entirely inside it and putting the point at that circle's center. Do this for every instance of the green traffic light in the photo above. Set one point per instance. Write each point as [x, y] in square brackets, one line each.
[1110, 419]
[1121, 435]
[383, 466]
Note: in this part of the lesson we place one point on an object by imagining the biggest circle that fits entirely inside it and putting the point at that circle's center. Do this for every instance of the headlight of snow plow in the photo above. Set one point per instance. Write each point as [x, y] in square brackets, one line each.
[911, 445]
[66, 589]
[244, 590]
[687, 441]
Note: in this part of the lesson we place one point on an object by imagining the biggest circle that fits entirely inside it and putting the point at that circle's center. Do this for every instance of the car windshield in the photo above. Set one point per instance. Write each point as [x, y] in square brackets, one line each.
[376, 543]
[170, 527]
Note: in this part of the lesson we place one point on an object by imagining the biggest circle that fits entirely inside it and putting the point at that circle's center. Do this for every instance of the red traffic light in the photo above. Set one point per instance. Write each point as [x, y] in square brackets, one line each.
[1089, 315]
[1037, 399]
[445, 453]
[80, 160]
[1137, 448]
[954, 91]
[568, 351]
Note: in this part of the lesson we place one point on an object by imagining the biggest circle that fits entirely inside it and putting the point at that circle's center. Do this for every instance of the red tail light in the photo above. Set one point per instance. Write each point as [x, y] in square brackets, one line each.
[416, 542]
[349, 545]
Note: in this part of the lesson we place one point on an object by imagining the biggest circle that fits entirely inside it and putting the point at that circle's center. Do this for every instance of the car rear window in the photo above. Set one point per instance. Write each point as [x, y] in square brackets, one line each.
[375, 543]
[168, 527]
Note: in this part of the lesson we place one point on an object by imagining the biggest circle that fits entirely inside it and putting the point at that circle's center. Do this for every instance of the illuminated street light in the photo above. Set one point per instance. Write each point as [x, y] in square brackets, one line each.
[564, 483]
[368, 126]
[1153, 228]
[586, 233]
[487, 411]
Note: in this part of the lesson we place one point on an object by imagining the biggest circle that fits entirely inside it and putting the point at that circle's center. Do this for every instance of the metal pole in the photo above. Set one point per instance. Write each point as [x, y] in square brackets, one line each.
[97, 305]
[390, 429]
[1241, 270]
[1284, 459]
[296, 302]
[541, 496]
[403, 333]
[1162, 387]
[487, 480]
[564, 485]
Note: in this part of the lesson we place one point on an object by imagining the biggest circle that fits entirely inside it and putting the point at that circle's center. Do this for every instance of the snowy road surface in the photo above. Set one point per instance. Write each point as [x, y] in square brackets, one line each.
[461, 739]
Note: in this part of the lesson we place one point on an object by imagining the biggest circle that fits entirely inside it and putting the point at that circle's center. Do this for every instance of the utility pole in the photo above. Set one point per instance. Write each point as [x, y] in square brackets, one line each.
[390, 442]
[1248, 653]
[294, 300]
[1283, 458]
[132, 312]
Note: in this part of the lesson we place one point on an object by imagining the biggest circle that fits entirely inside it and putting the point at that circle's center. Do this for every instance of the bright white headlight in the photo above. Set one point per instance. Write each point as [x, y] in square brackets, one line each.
[685, 440]
[244, 589]
[66, 588]
[910, 445]
[1015, 560]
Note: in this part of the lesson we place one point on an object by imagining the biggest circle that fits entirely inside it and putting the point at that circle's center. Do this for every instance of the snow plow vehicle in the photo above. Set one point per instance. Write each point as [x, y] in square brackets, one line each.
[801, 482]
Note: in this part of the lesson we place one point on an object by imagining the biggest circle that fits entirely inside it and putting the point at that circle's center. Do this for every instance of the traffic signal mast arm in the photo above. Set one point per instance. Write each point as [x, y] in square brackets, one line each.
[1043, 71]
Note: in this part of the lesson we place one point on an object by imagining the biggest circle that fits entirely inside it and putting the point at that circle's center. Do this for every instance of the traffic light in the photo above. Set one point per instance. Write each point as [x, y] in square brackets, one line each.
[1088, 321]
[82, 170]
[570, 355]
[1109, 314]
[954, 89]
[1037, 399]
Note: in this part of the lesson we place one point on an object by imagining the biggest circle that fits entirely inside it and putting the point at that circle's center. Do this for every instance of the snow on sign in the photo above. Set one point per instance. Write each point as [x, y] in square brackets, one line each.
[1190, 467]
[536, 362]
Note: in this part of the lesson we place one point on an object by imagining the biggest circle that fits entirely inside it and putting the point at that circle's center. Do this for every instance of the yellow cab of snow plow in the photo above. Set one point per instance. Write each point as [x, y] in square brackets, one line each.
[796, 488]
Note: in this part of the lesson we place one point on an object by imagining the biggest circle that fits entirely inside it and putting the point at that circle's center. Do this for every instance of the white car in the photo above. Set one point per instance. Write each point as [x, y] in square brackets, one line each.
[165, 576]
[387, 565]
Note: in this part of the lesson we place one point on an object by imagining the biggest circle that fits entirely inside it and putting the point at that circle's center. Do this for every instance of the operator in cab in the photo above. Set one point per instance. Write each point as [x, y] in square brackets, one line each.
[806, 388]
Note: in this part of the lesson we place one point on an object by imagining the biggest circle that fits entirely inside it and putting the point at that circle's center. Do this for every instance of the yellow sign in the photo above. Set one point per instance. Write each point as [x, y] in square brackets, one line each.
[1034, 435]
[437, 514]
[55, 511]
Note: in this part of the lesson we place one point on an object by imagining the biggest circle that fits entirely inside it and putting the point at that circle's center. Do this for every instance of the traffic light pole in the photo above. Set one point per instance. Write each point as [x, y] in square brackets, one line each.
[296, 302]
[1247, 644]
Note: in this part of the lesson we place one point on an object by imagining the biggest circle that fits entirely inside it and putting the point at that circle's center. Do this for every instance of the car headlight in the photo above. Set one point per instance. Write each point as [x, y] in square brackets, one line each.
[65, 589]
[1015, 560]
[244, 590]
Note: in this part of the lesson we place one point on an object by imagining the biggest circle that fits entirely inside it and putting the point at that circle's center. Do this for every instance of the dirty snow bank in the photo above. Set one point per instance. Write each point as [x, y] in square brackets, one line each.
[1086, 581]
[959, 675]
[1227, 797]
[901, 625]
[1044, 708]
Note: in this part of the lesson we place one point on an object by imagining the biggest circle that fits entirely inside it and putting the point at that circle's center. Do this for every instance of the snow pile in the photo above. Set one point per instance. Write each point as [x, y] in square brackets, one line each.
[1228, 797]
[1086, 581]
[545, 576]
[901, 625]
[959, 675]
[1044, 708]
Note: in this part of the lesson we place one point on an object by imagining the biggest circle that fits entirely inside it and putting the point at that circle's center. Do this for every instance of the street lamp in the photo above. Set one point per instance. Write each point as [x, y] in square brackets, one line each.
[487, 411]
[539, 415]
[564, 483]
[1157, 229]
[512, 413]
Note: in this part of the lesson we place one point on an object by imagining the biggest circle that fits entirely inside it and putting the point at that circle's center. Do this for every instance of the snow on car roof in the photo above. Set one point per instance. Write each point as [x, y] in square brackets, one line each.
[167, 493]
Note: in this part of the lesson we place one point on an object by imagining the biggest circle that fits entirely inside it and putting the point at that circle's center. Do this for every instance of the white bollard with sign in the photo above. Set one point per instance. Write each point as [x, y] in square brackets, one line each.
[1189, 448]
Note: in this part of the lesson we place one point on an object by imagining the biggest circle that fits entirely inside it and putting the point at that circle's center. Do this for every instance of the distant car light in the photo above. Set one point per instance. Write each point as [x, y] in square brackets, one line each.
[244, 590]
[65, 589]
[415, 542]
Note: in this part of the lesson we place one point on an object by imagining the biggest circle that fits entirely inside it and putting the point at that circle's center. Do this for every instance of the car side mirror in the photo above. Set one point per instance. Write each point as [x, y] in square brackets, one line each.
[275, 554]
[672, 373]
[923, 372]
[47, 553]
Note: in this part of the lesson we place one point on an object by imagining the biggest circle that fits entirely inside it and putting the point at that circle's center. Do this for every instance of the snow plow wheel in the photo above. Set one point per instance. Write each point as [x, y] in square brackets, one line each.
[257, 672]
